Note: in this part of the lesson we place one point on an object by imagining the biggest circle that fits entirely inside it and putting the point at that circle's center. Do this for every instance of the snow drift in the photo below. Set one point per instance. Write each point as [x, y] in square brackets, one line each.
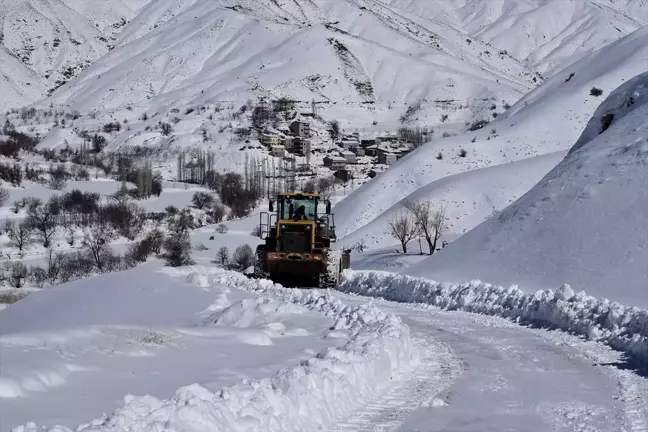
[622, 327]
[314, 394]
[584, 223]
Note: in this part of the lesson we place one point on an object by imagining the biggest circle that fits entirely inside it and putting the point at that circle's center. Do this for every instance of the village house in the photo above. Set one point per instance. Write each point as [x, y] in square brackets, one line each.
[277, 150]
[368, 142]
[270, 140]
[343, 174]
[335, 162]
[359, 151]
[300, 129]
[387, 158]
[371, 151]
[349, 156]
[347, 143]
[301, 146]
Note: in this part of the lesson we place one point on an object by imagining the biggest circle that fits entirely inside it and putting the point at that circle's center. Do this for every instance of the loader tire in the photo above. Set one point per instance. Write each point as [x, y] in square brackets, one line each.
[331, 277]
[260, 269]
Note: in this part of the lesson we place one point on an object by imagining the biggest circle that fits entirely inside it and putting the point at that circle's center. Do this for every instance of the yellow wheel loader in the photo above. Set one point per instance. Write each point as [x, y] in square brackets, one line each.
[298, 237]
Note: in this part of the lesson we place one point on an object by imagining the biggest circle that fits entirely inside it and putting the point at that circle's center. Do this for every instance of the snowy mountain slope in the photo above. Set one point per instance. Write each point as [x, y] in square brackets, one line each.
[551, 35]
[582, 224]
[196, 52]
[471, 197]
[53, 40]
[546, 120]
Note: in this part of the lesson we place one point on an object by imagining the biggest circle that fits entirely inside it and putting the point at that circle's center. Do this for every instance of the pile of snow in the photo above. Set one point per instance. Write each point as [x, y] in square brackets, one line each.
[584, 223]
[310, 396]
[622, 327]
[142, 332]
[547, 120]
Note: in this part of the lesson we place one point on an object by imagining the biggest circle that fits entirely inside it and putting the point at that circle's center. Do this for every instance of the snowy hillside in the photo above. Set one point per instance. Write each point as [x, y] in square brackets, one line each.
[548, 119]
[584, 223]
[178, 53]
[45, 43]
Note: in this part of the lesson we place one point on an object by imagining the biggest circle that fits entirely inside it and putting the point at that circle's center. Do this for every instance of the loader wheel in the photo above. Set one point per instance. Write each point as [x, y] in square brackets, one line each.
[331, 277]
[260, 269]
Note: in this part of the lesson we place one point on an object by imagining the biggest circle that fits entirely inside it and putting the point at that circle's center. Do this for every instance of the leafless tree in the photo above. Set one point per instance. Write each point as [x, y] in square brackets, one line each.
[96, 243]
[19, 234]
[430, 220]
[42, 219]
[54, 264]
[4, 196]
[18, 274]
[403, 228]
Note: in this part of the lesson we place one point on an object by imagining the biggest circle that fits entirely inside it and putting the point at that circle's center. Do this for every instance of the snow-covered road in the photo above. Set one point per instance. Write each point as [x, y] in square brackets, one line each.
[484, 373]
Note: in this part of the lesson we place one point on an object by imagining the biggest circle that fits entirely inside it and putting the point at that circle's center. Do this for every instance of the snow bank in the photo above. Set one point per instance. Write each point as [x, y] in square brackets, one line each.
[306, 397]
[623, 328]
[584, 223]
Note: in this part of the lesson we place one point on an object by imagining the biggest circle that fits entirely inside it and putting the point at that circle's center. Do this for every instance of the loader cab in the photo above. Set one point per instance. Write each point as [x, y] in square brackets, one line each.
[298, 222]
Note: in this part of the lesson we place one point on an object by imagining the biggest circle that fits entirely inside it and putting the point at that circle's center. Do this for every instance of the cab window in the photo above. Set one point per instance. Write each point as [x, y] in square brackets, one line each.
[299, 209]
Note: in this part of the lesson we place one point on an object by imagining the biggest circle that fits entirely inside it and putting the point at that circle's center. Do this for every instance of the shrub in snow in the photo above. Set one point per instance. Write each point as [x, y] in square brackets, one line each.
[624, 328]
[243, 257]
[17, 274]
[222, 229]
[222, 256]
[595, 91]
[8, 297]
[217, 213]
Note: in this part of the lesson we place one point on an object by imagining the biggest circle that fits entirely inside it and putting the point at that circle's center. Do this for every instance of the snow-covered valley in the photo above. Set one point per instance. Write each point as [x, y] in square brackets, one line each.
[485, 161]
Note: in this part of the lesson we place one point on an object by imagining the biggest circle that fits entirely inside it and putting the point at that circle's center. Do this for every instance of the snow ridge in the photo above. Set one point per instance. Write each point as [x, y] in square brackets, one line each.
[318, 392]
[623, 328]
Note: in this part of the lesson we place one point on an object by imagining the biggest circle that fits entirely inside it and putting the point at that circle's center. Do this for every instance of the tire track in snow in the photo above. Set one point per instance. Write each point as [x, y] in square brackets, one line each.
[437, 369]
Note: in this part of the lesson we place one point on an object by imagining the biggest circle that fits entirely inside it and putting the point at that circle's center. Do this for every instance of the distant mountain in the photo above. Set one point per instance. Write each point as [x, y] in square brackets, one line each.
[44, 43]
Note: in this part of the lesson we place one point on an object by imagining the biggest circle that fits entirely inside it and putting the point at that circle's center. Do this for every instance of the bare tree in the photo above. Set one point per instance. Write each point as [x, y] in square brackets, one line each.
[42, 219]
[18, 274]
[96, 243]
[430, 221]
[4, 196]
[19, 234]
[403, 228]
